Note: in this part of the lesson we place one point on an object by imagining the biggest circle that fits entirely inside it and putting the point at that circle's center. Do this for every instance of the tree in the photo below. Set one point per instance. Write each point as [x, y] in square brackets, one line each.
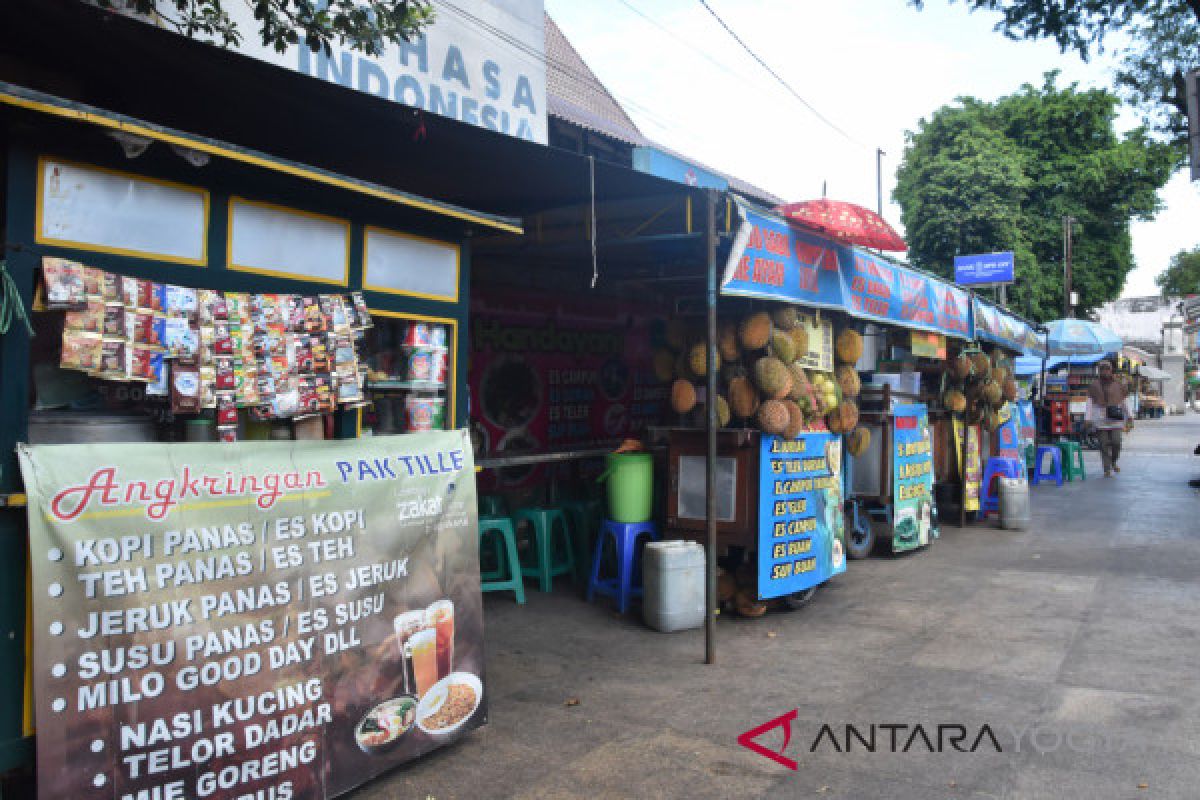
[1182, 277]
[365, 25]
[1163, 45]
[979, 177]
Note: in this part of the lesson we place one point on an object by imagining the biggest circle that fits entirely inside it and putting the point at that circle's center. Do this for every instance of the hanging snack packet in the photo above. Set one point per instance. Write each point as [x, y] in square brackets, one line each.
[80, 350]
[152, 296]
[64, 283]
[131, 292]
[223, 371]
[145, 328]
[360, 310]
[208, 387]
[145, 363]
[185, 390]
[114, 322]
[227, 435]
[93, 283]
[182, 301]
[227, 415]
[158, 387]
[110, 289]
[349, 390]
[287, 397]
[326, 393]
[181, 339]
[344, 354]
[319, 349]
[90, 319]
[113, 361]
[335, 310]
[222, 340]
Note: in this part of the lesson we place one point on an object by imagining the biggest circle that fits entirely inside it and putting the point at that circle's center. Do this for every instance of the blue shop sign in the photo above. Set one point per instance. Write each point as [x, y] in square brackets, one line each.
[801, 527]
[653, 161]
[771, 260]
[984, 268]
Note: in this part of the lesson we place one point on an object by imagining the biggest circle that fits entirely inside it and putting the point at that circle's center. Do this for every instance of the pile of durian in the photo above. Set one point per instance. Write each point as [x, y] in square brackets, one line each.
[978, 385]
[761, 380]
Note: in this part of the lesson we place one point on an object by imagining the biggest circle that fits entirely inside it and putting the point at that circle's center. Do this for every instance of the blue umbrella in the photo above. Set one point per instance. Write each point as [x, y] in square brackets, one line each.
[1080, 337]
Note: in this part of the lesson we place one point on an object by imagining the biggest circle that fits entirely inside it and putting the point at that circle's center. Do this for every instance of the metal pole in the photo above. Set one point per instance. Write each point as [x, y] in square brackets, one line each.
[1067, 311]
[710, 472]
[879, 154]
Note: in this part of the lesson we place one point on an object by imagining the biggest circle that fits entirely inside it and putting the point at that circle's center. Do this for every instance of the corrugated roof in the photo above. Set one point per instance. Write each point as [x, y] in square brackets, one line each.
[574, 94]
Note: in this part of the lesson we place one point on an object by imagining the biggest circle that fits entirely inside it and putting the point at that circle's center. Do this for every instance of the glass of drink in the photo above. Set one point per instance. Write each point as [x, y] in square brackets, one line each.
[440, 616]
[406, 625]
[423, 646]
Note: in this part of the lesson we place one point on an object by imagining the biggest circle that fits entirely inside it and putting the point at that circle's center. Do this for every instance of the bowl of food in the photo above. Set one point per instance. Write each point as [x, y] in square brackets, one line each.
[449, 703]
[384, 725]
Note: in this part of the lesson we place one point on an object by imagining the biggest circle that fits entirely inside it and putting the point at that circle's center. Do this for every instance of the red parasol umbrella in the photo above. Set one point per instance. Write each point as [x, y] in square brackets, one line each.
[845, 222]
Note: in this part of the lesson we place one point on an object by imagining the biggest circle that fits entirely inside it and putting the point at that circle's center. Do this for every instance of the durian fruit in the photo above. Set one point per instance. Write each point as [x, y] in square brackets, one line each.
[960, 367]
[1010, 390]
[698, 359]
[848, 380]
[664, 365]
[727, 342]
[677, 335]
[858, 440]
[800, 383]
[993, 393]
[785, 317]
[849, 346]
[773, 416]
[954, 400]
[795, 420]
[783, 347]
[843, 418]
[799, 336]
[999, 375]
[773, 377]
[980, 363]
[743, 398]
[683, 396]
[723, 415]
[755, 331]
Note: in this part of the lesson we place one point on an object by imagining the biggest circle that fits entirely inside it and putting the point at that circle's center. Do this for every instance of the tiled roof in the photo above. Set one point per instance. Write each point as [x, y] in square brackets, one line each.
[574, 93]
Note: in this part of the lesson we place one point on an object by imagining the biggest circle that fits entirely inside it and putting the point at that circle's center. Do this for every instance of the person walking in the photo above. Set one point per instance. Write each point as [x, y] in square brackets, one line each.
[1108, 413]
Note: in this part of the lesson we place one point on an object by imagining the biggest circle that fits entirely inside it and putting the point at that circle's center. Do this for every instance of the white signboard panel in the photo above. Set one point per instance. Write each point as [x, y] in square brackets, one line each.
[294, 244]
[97, 209]
[480, 61]
[412, 265]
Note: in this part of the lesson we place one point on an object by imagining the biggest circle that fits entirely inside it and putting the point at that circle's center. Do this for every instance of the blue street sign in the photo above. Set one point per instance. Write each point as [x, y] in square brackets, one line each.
[984, 268]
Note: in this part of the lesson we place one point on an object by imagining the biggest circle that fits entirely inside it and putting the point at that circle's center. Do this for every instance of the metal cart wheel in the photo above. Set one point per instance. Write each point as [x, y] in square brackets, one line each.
[860, 536]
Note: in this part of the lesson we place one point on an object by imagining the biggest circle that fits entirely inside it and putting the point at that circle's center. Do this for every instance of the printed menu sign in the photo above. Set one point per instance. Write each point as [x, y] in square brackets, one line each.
[912, 478]
[801, 529]
[266, 620]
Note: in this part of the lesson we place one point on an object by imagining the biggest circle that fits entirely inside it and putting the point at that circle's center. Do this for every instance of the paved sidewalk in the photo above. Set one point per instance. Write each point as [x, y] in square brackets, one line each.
[1086, 624]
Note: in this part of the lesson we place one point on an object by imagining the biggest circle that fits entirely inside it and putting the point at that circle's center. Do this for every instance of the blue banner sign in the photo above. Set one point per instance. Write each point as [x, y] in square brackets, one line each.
[912, 477]
[984, 268]
[801, 528]
[772, 260]
[777, 262]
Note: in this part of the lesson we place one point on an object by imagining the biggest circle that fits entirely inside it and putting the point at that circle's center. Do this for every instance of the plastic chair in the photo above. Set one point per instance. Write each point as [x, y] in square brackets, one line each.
[507, 575]
[1041, 471]
[989, 501]
[586, 517]
[1072, 460]
[546, 522]
[625, 536]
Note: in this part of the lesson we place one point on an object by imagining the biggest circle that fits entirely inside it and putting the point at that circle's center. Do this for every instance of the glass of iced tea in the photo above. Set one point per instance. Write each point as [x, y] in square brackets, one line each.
[406, 625]
[440, 617]
[423, 646]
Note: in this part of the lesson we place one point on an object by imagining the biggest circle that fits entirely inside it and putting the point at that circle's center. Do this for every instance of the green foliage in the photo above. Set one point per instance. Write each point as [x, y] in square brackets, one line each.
[980, 177]
[1182, 277]
[1163, 44]
[364, 25]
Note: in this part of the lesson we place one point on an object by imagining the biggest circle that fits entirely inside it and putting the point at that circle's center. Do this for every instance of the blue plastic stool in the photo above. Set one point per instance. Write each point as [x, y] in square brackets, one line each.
[989, 501]
[625, 537]
[1055, 471]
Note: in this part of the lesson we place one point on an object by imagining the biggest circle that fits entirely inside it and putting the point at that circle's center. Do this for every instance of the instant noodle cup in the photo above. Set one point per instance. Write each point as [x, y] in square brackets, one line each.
[418, 334]
[438, 370]
[424, 413]
[419, 366]
[437, 335]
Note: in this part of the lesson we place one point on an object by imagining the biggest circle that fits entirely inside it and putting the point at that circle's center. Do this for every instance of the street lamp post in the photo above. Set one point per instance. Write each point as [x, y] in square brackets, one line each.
[1068, 306]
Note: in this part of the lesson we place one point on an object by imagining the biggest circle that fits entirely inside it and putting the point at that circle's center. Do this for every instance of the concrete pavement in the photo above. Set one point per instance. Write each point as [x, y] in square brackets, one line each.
[1076, 644]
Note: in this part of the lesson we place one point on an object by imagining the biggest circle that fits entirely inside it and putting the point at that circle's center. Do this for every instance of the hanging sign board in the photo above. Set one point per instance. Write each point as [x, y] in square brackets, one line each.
[966, 439]
[912, 477]
[928, 345]
[259, 619]
[801, 528]
[997, 327]
[984, 269]
[820, 342]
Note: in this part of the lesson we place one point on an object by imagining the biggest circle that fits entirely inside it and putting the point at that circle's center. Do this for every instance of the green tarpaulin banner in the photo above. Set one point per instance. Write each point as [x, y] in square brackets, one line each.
[266, 620]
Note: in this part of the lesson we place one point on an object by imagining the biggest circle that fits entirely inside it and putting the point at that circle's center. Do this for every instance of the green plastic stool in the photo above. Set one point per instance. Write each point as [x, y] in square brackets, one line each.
[507, 576]
[1030, 458]
[1072, 461]
[585, 517]
[545, 522]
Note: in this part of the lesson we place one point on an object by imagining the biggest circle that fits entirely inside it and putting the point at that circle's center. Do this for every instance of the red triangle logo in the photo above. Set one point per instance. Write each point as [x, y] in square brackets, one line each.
[747, 739]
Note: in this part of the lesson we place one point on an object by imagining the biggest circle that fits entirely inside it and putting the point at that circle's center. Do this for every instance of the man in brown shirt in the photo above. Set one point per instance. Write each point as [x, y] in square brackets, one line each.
[1108, 412]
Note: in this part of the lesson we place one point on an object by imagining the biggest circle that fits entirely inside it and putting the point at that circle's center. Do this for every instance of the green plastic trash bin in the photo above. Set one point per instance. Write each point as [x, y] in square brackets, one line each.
[630, 478]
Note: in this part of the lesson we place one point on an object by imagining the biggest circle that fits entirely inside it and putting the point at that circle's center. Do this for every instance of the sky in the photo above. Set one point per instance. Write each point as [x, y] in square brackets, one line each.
[872, 68]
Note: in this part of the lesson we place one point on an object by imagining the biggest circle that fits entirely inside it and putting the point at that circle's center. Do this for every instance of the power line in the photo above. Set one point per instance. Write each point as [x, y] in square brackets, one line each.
[776, 75]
